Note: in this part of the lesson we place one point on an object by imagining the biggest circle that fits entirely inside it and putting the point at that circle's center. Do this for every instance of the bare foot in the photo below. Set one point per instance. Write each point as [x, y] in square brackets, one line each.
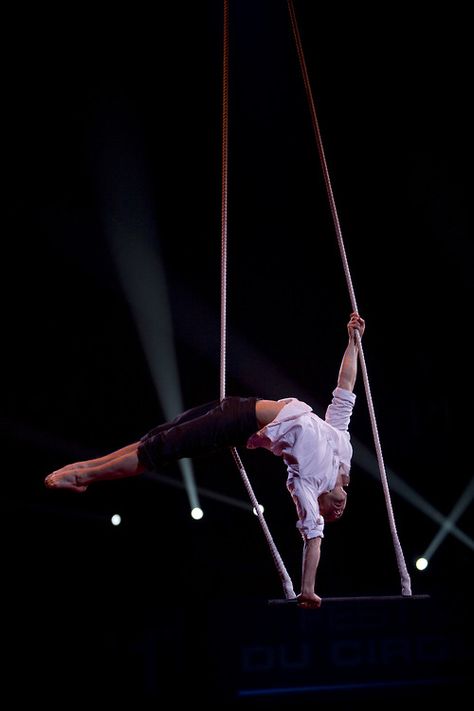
[77, 477]
[66, 478]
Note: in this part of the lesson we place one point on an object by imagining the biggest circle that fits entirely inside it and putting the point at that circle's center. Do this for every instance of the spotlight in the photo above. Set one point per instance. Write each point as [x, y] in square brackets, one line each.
[421, 563]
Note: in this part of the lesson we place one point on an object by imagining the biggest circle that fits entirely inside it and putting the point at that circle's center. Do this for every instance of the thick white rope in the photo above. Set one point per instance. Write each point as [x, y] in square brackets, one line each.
[284, 577]
[404, 576]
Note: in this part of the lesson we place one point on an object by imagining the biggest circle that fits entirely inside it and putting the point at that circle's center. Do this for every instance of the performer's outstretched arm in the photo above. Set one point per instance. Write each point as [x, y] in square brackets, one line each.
[311, 555]
[348, 369]
[312, 547]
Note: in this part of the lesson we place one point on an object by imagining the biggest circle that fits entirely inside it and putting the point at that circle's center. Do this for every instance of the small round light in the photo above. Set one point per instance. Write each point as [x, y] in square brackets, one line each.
[421, 563]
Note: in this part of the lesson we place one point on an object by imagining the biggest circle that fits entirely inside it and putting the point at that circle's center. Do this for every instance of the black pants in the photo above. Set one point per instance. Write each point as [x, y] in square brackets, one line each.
[201, 430]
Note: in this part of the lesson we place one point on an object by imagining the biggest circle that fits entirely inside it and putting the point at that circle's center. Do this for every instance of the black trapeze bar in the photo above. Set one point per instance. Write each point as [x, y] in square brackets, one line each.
[362, 598]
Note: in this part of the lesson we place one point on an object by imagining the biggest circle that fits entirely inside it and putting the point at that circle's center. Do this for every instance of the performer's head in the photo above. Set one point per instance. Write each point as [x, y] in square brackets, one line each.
[332, 504]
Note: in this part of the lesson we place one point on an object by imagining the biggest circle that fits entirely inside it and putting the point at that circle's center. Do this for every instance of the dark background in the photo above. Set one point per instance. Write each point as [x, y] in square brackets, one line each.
[104, 114]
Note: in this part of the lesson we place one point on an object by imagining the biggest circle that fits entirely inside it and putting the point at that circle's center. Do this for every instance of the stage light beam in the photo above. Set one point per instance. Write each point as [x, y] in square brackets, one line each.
[130, 226]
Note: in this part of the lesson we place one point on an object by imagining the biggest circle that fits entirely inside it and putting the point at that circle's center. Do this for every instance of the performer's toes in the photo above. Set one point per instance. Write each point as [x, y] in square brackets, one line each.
[50, 481]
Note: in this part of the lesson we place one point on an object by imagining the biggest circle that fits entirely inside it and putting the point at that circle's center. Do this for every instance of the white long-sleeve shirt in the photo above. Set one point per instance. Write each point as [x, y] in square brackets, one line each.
[313, 449]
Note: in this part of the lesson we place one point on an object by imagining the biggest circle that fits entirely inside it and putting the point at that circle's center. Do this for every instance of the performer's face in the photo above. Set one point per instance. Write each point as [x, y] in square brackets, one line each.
[332, 504]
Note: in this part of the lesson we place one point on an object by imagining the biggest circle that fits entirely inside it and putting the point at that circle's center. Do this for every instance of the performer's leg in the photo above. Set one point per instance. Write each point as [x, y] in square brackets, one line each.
[190, 414]
[103, 460]
[228, 424]
[78, 478]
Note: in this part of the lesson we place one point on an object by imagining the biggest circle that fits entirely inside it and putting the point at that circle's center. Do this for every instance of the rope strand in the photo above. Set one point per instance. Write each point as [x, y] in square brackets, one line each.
[225, 163]
[404, 576]
[284, 577]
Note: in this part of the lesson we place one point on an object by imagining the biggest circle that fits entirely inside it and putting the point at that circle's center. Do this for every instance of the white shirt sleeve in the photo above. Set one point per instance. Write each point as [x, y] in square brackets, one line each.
[310, 522]
[339, 411]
